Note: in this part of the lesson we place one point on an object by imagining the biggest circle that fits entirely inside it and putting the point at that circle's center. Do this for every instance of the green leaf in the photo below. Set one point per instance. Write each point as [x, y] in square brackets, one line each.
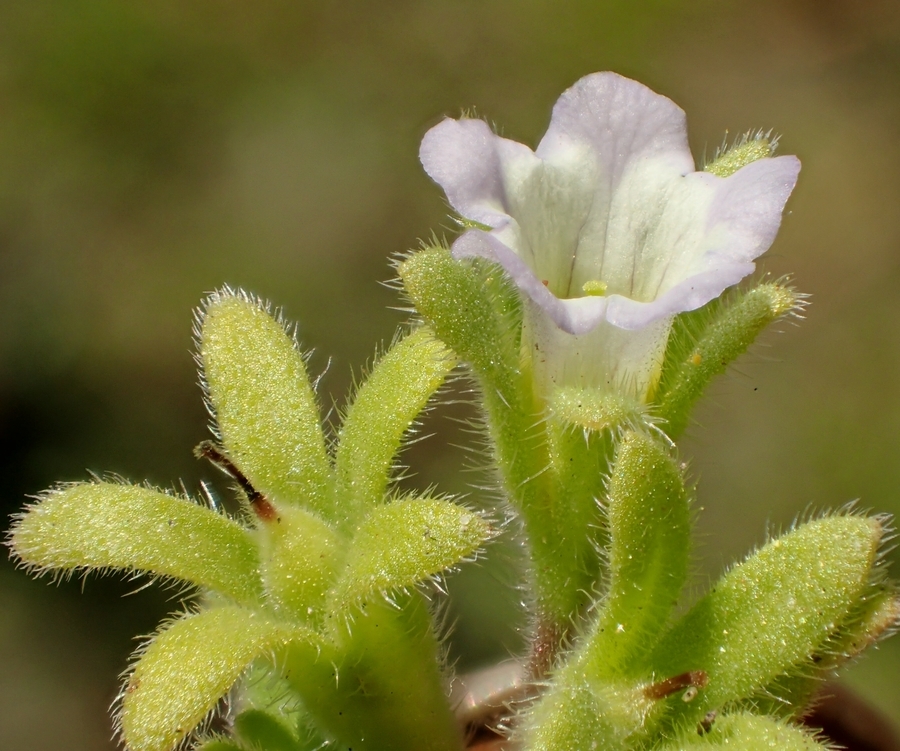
[107, 525]
[650, 527]
[264, 405]
[875, 616]
[300, 555]
[747, 732]
[380, 688]
[404, 542]
[723, 332]
[259, 729]
[770, 613]
[387, 403]
[472, 307]
[186, 668]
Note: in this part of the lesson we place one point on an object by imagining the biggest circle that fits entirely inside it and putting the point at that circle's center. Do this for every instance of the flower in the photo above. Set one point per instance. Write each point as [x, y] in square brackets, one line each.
[607, 228]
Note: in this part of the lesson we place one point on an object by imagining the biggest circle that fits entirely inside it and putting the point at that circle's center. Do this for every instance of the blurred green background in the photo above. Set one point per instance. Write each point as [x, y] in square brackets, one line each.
[151, 152]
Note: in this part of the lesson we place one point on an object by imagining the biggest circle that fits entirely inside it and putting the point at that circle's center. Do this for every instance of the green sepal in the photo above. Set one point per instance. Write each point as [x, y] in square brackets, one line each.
[262, 730]
[767, 615]
[300, 556]
[702, 344]
[595, 409]
[380, 686]
[405, 542]
[263, 688]
[104, 525]
[750, 147]
[385, 406]
[188, 666]
[581, 432]
[581, 713]
[472, 307]
[649, 521]
[571, 533]
[263, 402]
[746, 732]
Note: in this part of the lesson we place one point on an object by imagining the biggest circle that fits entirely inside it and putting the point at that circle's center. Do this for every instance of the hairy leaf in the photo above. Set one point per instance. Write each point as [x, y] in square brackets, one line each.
[108, 525]
[264, 404]
[746, 732]
[407, 541]
[184, 671]
[771, 612]
[387, 403]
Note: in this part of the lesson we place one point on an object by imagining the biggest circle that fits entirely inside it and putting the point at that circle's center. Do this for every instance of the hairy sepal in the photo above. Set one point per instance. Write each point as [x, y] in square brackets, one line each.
[649, 521]
[748, 148]
[702, 344]
[472, 307]
[103, 525]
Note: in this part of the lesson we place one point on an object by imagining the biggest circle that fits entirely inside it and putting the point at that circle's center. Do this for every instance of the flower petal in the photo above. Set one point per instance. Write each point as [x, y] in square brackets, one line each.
[577, 316]
[470, 163]
[701, 255]
[633, 143]
[535, 208]
[623, 122]
[706, 237]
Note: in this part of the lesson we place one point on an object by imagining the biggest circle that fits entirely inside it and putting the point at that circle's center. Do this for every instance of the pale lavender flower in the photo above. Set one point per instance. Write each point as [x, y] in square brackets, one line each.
[607, 228]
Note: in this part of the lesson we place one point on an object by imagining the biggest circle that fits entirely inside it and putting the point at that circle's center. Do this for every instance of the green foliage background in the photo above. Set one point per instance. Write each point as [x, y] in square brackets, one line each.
[150, 152]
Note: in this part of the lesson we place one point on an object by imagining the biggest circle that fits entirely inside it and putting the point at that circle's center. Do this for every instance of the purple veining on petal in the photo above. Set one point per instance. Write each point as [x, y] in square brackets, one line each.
[622, 120]
[575, 316]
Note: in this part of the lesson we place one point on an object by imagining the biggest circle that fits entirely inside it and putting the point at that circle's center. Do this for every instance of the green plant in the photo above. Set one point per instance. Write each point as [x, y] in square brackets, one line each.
[586, 297]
